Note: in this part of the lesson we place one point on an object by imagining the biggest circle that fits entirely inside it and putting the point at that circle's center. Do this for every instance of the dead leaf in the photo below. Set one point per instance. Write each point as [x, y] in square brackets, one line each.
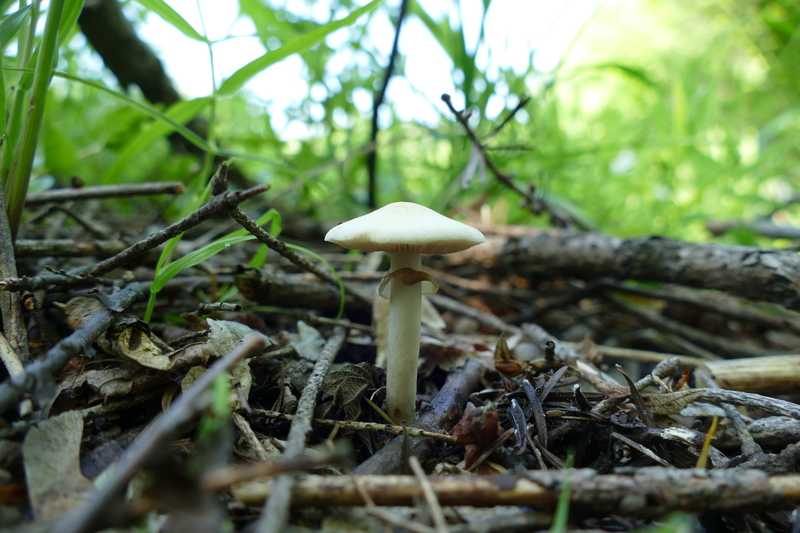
[223, 336]
[129, 338]
[343, 390]
[307, 342]
[240, 373]
[51, 453]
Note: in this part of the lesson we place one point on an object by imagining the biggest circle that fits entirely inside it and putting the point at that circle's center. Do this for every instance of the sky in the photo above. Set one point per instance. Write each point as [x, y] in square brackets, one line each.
[514, 29]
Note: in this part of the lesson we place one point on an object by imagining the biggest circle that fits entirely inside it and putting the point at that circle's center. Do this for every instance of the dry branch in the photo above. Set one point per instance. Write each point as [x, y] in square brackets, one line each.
[753, 273]
[443, 412]
[642, 492]
[36, 376]
[105, 191]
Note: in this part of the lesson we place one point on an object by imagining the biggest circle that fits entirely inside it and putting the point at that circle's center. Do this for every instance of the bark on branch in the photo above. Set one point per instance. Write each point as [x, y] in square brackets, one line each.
[753, 273]
[641, 492]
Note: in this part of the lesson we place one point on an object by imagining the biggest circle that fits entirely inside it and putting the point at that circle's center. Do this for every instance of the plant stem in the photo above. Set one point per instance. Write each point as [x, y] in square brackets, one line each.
[20, 172]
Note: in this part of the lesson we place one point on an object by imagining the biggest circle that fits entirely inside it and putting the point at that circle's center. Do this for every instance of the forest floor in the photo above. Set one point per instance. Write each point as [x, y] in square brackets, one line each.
[567, 382]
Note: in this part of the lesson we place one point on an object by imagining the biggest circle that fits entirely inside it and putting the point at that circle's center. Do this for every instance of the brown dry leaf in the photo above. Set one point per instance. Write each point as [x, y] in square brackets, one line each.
[504, 362]
[307, 342]
[129, 339]
[240, 373]
[81, 309]
[109, 383]
[670, 403]
[343, 390]
[51, 453]
[223, 336]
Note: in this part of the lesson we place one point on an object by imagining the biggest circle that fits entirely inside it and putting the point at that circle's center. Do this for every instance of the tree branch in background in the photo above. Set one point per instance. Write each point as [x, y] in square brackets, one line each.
[372, 156]
[536, 205]
[749, 272]
[133, 62]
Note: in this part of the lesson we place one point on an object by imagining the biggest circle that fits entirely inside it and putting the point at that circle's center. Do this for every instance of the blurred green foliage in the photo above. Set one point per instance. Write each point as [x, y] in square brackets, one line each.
[660, 116]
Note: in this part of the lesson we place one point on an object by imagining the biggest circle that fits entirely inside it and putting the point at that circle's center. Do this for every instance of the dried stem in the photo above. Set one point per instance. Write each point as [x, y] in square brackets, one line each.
[275, 514]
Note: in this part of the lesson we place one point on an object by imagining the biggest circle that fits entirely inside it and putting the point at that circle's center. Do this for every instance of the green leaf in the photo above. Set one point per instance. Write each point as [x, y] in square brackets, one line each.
[60, 155]
[163, 10]
[241, 76]
[179, 113]
[163, 275]
[72, 10]
[11, 25]
[260, 257]
[147, 109]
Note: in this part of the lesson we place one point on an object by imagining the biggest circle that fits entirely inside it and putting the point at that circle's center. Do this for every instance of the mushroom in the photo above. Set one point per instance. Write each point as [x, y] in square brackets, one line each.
[406, 231]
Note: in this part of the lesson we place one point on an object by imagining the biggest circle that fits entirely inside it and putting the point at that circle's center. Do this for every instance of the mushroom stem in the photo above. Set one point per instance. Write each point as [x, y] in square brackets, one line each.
[405, 302]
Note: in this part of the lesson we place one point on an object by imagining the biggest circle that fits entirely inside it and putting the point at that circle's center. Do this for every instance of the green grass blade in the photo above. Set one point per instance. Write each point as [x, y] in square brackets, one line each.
[11, 25]
[275, 230]
[20, 171]
[164, 274]
[147, 109]
[179, 113]
[72, 10]
[561, 516]
[241, 76]
[163, 10]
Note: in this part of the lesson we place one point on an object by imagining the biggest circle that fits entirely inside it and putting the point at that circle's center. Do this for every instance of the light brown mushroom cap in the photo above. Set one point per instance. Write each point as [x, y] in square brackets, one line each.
[405, 227]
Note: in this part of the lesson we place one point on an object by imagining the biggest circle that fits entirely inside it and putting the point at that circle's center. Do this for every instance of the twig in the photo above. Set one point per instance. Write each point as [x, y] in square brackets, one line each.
[10, 304]
[217, 207]
[430, 495]
[105, 191]
[361, 426]
[372, 155]
[220, 184]
[155, 439]
[537, 205]
[250, 436]
[14, 368]
[279, 246]
[663, 369]
[275, 514]
[224, 477]
[68, 248]
[658, 490]
[37, 375]
[442, 414]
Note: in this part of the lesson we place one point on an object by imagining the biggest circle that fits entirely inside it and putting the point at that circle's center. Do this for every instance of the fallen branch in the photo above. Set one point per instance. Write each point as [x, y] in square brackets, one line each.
[641, 492]
[217, 207]
[105, 191]
[442, 413]
[37, 376]
[753, 273]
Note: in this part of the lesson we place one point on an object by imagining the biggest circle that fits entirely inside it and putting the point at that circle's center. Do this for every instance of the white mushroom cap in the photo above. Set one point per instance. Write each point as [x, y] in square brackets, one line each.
[405, 227]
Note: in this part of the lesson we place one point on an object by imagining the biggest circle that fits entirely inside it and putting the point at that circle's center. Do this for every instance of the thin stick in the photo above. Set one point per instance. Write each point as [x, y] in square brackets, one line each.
[105, 191]
[10, 304]
[361, 426]
[430, 495]
[38, 373]
[155, 439]
[275, 514]
[15, 368]
[658, 490]
[217, 207]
